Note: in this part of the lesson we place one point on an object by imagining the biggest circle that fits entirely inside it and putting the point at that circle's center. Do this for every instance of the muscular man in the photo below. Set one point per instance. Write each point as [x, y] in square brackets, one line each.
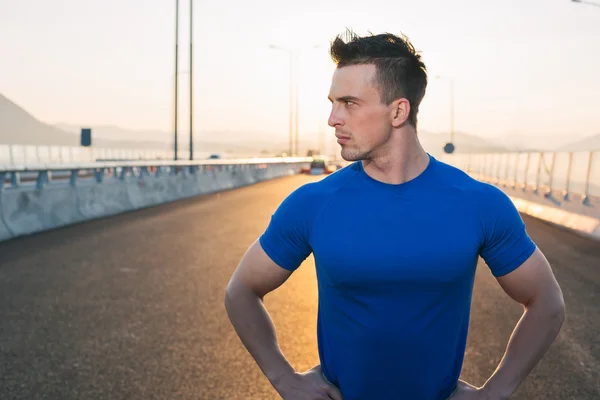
[396, 237]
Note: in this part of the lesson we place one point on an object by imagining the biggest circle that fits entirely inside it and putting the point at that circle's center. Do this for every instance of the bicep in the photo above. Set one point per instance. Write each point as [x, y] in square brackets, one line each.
[257, 272]
[532, 280]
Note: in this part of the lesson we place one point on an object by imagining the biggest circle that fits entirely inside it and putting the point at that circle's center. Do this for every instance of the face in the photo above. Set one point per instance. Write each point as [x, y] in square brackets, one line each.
[363, 124]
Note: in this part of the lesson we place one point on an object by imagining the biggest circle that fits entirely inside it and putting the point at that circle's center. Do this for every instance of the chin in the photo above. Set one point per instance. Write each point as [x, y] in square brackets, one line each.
[353, 155]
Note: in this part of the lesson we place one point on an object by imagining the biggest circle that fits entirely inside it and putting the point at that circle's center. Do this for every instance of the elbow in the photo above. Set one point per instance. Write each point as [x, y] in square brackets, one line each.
[550, 307]
[555, 308]
[236, 293]
[230, 295]
[560, 310]
[558, 316]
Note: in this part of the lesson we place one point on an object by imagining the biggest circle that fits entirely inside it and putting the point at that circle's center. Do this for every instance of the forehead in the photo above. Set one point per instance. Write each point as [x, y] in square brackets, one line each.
[354, 80]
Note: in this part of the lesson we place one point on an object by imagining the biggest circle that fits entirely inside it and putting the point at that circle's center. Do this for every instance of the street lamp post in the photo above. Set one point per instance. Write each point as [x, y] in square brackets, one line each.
[176, 75]
[191, 82]
[589, 3]
[294, 140]
[297, 112]
[291, 106]
[177, 72]
[450, 147]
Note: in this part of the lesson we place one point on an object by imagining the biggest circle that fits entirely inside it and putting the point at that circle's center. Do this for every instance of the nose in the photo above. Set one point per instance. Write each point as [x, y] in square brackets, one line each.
[334, 118]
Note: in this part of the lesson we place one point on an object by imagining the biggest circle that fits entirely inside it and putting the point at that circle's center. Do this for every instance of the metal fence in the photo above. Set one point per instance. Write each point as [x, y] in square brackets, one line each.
[41, 175]
[38, 197]
[31, 154]
[543, 172]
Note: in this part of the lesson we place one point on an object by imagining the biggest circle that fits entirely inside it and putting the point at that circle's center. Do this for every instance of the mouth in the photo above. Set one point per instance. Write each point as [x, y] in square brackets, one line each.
[341, 139]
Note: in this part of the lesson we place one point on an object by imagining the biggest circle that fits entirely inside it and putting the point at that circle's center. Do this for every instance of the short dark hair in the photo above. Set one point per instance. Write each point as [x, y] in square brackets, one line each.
[400, 71]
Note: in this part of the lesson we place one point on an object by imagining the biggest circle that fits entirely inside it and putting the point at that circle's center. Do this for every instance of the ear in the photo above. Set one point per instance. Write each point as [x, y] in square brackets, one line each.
[400, 112]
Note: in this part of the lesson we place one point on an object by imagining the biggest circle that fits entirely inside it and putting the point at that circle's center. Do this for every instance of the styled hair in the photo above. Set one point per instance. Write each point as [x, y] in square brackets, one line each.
[400, 71]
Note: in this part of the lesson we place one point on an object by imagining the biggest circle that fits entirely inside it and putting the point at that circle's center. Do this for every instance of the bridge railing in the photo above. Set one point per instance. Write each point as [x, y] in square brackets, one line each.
[41, 175]
[38, 154]
[568, 175]
[38, 197]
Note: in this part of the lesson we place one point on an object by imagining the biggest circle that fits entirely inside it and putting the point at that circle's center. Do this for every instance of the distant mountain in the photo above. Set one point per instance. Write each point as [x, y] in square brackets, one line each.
[155, 138]
[521, 142]
[17, 126]
[111, 132]
[591, 143]
[463, 142]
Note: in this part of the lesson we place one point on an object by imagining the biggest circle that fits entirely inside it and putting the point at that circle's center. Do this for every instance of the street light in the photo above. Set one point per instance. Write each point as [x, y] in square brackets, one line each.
[293, 124]
[450, 147]
[176, 74]
[589, 3]
[291, 111]
[191, 81]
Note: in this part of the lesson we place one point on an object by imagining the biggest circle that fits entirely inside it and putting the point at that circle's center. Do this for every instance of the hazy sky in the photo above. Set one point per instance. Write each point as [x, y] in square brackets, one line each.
[529, 67]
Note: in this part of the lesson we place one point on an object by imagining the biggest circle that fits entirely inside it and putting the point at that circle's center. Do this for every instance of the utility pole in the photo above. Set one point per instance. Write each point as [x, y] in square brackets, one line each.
[191, 82]
[296, 122]
[176, 74]
[589, 3]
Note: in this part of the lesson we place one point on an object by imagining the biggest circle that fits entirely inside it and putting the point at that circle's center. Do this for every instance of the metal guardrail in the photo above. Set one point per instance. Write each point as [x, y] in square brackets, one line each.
[17, 154]
[543, 172]
[35, 198]
[44, 174]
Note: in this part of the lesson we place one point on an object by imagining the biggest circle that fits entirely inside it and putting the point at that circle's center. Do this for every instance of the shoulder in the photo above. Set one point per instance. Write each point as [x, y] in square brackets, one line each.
[308, 199]
[504, 241]
[487, 205]
[453, 178]
[321, 190]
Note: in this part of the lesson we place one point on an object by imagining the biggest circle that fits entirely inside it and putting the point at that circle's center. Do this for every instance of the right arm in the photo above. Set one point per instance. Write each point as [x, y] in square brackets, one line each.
[256, 276]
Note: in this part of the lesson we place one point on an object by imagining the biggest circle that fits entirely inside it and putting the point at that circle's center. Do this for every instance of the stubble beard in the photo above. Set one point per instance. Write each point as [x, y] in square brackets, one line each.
[350, 154]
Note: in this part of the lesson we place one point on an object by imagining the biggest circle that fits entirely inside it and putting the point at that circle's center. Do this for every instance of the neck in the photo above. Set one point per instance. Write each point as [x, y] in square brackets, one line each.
[399, 160]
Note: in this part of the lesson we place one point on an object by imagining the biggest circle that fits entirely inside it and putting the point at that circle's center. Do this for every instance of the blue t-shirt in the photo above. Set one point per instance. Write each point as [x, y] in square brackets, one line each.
[395, 266]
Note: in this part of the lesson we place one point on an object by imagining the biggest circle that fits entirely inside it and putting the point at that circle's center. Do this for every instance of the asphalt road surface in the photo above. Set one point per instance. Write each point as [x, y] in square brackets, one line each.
[131, 307]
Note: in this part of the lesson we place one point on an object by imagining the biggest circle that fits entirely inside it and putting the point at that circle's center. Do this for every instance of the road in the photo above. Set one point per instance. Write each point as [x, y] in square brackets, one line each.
[131, 307]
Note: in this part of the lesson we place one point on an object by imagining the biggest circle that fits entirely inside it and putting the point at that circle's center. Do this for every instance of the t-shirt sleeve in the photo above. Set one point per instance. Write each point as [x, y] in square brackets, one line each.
[506, 243]
[286, 238]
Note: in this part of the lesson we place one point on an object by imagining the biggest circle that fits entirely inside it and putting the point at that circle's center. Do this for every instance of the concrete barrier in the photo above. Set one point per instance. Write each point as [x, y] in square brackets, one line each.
[27, 209]
[560, 188]
[553, 206]
[97, 201]
[583, 224]
[5, 233]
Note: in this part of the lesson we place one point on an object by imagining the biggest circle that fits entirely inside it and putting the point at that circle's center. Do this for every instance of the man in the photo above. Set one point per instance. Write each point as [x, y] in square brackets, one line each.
[396, 238]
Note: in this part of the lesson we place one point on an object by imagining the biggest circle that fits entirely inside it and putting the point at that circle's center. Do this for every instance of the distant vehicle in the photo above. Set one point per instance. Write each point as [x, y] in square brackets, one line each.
[320, 165]
[214, 156]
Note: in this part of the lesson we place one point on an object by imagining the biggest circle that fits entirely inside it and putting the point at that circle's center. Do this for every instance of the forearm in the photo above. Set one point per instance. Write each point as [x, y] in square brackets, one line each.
[531, 338]
[255, 328]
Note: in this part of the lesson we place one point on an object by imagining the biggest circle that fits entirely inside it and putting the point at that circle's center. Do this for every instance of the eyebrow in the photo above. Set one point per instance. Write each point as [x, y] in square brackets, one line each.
[345, 98]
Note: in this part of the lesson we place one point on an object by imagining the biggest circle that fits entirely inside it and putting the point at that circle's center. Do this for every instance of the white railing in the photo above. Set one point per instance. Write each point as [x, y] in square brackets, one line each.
[38, 197]
[13, 176]
[31, 154]
[544, 172]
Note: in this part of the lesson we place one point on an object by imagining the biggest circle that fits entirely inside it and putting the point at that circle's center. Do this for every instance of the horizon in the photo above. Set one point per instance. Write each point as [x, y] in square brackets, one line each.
[261, 140]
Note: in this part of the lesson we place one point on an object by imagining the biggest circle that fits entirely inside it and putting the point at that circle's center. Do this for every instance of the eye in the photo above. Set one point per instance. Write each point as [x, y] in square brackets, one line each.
[349, 102]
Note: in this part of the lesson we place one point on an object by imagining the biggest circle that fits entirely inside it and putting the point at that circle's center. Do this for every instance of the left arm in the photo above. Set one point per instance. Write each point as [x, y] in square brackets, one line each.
[526, 276]
[534, 286]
